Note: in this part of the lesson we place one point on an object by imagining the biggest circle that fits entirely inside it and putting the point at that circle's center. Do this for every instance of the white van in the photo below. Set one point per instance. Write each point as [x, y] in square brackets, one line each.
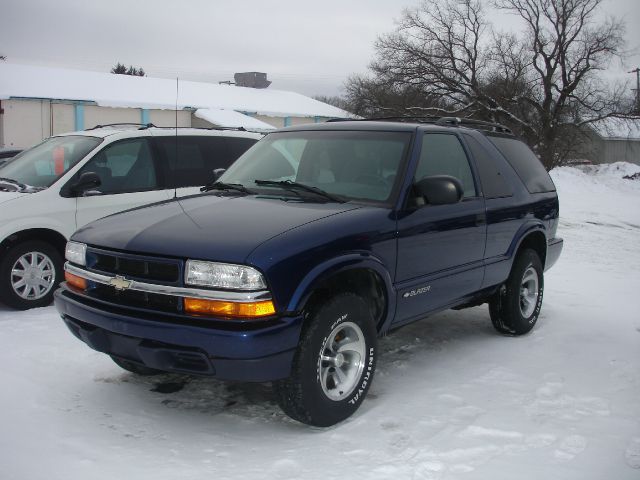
[49, 191]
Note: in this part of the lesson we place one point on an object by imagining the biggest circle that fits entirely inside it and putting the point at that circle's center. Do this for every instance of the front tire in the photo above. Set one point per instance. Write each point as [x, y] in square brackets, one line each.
[515, 308]
[334, 365]
[29, 273]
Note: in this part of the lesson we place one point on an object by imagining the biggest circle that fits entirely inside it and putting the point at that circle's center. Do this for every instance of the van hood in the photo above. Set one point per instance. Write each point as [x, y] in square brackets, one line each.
[8, 196]
[207, 227]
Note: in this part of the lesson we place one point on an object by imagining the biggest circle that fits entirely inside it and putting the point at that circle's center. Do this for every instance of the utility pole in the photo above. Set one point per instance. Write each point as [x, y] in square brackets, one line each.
[637, 89]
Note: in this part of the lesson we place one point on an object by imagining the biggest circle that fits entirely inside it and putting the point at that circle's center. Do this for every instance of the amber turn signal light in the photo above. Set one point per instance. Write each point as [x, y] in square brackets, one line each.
[198, 306]
[75, 281]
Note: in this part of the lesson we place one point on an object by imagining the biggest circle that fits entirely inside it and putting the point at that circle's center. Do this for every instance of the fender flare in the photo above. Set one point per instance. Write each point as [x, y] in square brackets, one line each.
[523, 232]
[333, 266]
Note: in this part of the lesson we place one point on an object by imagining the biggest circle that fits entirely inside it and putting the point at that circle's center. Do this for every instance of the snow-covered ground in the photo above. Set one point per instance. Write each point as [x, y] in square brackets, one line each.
[451, 398]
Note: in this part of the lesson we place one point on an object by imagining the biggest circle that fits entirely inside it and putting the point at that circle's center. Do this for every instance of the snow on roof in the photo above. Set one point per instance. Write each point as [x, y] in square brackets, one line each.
[618, 128]
[109, 90]
[231, 118]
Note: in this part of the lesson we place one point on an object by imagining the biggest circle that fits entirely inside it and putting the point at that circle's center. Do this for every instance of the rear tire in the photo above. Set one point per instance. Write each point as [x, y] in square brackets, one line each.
[29, 274]
[136, 368]
[515, 308]
[334, 365]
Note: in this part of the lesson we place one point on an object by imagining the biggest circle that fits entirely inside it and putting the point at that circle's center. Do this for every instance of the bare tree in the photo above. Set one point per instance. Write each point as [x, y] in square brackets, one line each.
[544, 82]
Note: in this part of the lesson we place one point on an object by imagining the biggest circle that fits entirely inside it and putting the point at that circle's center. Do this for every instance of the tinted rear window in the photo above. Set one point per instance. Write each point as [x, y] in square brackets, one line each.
[198, 156]
[525, 163]
[494, 184]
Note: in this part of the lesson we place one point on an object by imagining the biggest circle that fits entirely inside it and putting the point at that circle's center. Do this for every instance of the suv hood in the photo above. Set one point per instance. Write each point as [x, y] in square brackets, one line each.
[207, 227]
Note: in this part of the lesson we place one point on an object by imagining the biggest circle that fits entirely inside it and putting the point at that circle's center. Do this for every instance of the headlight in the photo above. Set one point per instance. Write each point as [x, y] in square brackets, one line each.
[76, 253]
[223, 275]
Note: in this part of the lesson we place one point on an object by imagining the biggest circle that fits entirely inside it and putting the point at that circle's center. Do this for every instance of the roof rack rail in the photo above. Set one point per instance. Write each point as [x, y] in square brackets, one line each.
[491, 126]
[142, 126]
[241, 129]
[435, 120]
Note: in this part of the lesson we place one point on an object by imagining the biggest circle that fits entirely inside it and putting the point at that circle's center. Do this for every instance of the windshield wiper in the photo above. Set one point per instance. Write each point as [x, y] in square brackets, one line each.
[224, 186]
[11, 181]
[290, 185]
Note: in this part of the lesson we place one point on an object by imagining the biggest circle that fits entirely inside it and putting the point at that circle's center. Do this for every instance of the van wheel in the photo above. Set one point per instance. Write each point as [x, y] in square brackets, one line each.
[334, 364]
[29, 273]
[135, 368]
[514, 309]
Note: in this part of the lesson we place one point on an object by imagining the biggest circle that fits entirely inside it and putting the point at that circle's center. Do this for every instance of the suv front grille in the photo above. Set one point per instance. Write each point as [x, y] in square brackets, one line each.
[138, 267]
[155, 270]
[132, 298]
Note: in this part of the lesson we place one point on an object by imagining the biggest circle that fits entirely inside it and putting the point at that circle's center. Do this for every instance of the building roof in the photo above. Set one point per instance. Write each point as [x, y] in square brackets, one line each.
[109, 90]
[617, 128]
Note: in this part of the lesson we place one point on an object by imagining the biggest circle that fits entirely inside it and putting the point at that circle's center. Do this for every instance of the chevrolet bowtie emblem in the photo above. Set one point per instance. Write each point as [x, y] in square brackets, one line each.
[120, 283]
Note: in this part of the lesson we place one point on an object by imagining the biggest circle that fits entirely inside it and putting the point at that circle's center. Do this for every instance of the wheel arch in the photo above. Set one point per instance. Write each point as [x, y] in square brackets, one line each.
[53, 237]
[363, 275]
[533, 237]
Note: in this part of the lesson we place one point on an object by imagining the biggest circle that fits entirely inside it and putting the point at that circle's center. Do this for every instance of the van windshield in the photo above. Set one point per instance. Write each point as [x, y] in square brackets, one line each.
[40, 166]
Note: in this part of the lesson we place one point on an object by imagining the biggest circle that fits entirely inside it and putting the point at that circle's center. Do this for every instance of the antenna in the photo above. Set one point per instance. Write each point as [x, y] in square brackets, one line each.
[175, 185]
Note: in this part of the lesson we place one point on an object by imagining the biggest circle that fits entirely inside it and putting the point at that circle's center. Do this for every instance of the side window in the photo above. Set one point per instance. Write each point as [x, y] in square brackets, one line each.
[442, 154]
[125, 166]
[528, 167]
[238, 145]
[494, 185]
[192, 160]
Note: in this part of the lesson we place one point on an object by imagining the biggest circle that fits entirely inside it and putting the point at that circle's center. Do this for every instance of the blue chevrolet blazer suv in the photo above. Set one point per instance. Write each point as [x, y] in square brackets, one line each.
[318, 240]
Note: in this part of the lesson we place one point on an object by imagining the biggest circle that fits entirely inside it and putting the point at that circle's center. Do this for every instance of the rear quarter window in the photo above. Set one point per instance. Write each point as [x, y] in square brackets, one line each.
[490, 169]
[525, 163]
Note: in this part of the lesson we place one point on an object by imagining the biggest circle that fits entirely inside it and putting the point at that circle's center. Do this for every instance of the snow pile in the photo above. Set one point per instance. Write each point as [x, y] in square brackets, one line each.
[451, 398]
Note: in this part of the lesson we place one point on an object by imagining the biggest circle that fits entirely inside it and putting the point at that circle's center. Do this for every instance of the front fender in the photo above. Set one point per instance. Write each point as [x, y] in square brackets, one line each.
[329, 268]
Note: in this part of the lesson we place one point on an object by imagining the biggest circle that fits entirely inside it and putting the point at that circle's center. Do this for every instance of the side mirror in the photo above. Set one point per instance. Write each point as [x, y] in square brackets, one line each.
[217, 173]
[440, 189]
[86, 181]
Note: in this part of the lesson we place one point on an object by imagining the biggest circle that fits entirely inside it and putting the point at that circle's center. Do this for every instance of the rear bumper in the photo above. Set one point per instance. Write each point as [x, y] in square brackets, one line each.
[258, 354]
[554, 248]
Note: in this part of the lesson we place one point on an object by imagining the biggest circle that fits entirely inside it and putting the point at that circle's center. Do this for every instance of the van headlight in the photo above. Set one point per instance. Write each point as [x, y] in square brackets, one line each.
[223, 275]
[76, 253]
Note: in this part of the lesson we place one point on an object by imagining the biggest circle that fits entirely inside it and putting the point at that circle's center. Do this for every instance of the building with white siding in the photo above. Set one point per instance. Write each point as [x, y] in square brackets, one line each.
[37, 102]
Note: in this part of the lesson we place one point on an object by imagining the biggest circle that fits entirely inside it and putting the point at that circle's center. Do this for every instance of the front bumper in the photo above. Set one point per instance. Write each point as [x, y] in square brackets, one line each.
[261, 352]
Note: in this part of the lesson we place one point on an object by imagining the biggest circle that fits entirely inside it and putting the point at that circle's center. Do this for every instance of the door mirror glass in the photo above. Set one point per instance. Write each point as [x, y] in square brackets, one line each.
[440, 189]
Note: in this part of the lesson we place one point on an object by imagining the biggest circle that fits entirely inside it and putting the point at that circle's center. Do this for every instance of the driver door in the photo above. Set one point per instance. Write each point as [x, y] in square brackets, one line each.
[440, 247]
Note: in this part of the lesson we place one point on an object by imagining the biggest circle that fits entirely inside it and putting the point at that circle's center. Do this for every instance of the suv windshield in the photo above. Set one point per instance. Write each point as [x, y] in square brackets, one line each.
[351, 165]
[42, 165]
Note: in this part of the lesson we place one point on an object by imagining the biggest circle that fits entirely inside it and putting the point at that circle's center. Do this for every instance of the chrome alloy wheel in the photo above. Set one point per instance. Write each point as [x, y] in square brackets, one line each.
[528, 292]
[341, 361]
[33, 275]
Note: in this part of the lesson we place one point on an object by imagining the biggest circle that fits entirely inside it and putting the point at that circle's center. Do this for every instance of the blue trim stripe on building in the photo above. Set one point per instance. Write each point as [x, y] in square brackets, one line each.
[287, 121]
[79, 116]
[144, 116]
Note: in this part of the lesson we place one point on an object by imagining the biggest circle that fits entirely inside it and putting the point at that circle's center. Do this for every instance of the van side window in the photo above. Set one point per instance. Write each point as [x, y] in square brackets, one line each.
[124, 166]
[192, 160]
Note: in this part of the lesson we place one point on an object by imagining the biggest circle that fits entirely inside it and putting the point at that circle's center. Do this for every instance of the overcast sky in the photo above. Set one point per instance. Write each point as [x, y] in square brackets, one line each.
[308, 47]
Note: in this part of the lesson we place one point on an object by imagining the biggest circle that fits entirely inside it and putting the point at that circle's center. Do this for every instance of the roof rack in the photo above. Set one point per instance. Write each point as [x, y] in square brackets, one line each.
[435, 120]
[142, 126]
